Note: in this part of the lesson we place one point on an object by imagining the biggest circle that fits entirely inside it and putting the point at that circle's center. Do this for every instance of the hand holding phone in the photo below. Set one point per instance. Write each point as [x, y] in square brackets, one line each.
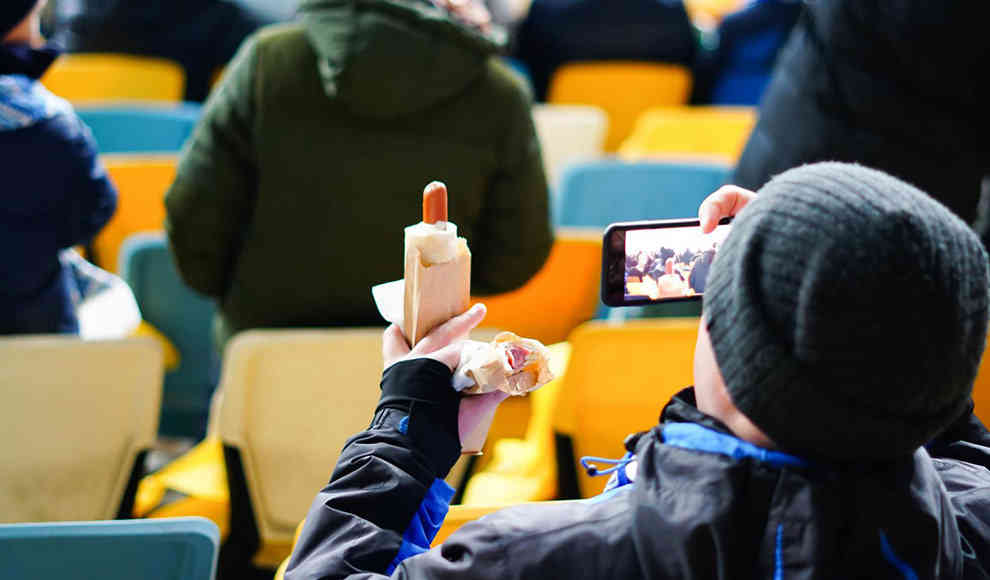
[658, 261]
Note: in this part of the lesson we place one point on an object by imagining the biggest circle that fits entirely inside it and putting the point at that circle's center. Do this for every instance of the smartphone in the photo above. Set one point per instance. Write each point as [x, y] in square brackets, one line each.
[658, 261]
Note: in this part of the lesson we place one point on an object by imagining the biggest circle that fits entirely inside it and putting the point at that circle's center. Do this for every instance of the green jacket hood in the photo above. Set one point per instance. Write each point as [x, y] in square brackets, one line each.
[388, 58]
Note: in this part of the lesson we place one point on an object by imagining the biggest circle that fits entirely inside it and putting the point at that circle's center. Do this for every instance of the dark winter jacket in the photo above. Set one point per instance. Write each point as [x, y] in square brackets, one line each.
[555, 32]
[900, 86]
[703, 504]
[291, 199]
[55, 195]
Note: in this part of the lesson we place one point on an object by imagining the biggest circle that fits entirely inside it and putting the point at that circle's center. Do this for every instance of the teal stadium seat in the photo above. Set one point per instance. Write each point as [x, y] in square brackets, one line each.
[161, 549]
[597, 193]
[140, 128]
[186, 319]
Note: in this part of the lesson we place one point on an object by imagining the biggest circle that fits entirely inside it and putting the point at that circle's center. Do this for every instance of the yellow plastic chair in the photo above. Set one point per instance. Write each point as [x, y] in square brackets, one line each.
[568, 134]
[141, 184]
[291, 398]
[617, 380]
[562, 295]
[981, 390]
[624, 89]
[77, 419]
[103, 77]
[690, 133]
[518, 467]
[708, 13]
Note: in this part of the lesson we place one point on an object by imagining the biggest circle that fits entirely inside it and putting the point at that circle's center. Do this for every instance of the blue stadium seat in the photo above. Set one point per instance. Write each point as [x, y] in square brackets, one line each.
[597, 193]
[186, 319]
[161, 549]
[140, 128]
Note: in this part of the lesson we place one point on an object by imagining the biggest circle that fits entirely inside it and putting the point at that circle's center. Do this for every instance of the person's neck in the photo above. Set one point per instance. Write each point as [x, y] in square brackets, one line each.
[27, 32]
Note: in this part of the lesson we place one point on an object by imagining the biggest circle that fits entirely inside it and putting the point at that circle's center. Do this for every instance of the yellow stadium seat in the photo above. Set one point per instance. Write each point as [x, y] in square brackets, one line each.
[291, 397]
[707, 13]
[518, 467]
[562, 295]
[690, 133]
[617, 380]
[981, 390]
[98, 77]
[141, 182]
[624, 89]
[77, 419]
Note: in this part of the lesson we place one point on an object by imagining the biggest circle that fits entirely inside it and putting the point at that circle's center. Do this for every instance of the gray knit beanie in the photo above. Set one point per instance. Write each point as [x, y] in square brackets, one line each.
[848, 313]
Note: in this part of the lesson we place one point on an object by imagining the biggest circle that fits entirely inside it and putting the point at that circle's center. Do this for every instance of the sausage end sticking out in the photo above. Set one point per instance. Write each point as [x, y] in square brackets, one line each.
[435, 203]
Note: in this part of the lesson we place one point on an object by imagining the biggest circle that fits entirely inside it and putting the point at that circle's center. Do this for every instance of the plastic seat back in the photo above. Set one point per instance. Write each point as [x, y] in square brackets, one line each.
[291, 398]
[76, 420]
[186, 319]
[562, 295]
[140, 128]
[618, 379]
[173, 549]
[568, 133]
[624, 89]
[713, 133]
[141, 184]
[595, 194]
[102, 77]
[981, 390]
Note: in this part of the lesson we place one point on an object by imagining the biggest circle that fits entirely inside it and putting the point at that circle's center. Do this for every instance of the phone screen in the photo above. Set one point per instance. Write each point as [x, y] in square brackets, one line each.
[659, 261]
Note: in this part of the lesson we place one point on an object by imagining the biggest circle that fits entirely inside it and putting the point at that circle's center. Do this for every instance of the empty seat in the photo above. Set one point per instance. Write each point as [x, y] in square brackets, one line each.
[141, 183]
[76, 421]
[701, 133]
[598, 193]
[568, 133]
[617, 381]
[186, 319]
[175, 549]
[562, 295]
[290, 398]
[140, 128]
[624, 89]
[102, 77]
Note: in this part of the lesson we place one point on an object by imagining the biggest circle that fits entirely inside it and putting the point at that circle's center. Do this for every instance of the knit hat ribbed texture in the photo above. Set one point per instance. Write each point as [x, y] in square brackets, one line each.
[12, 12]
[848, 313]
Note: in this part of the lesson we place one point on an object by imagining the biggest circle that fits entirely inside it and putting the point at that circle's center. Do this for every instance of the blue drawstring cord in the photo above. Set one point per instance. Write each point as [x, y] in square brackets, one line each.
[617, 464]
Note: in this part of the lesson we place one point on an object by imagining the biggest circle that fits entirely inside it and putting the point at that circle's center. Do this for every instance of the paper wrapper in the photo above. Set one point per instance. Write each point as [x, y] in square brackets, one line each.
[435, 293]
[484, 370]
[486, 367]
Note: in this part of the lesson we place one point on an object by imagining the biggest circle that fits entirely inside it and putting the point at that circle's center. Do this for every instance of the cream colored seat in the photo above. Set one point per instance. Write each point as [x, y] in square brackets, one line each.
[290, 399]
[568, 133]
[76, 419]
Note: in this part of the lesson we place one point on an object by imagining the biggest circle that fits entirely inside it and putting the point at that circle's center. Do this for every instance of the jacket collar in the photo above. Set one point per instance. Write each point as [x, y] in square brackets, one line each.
[21, 59]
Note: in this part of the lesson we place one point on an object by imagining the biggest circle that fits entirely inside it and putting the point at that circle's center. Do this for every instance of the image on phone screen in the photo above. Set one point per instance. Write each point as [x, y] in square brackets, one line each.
[649, 262]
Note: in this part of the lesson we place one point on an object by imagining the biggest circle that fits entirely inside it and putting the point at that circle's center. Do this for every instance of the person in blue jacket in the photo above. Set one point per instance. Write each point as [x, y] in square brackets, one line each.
[55, 192]
[829, 433]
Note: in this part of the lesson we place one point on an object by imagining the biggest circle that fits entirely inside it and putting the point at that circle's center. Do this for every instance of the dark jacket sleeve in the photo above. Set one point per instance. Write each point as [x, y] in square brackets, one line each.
[212, 198]
[386, 501]
[386, 498]
[91, 198]
[515, 235]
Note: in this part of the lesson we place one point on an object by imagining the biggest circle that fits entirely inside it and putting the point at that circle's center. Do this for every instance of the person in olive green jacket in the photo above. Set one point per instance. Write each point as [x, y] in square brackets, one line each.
[291, 197]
